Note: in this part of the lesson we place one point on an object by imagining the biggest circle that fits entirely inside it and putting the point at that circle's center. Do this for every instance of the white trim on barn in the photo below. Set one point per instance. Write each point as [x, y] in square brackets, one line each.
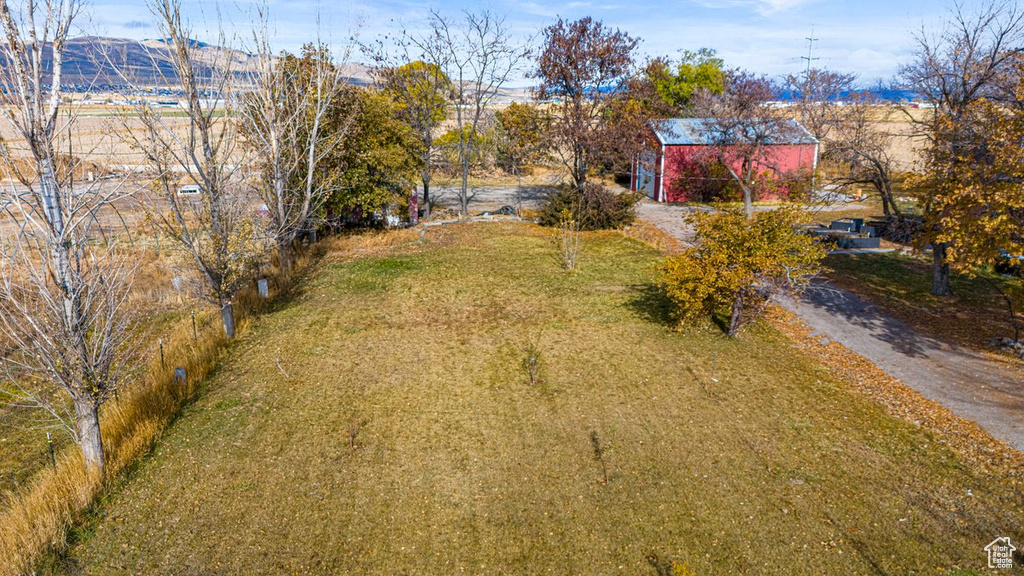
[661, 179]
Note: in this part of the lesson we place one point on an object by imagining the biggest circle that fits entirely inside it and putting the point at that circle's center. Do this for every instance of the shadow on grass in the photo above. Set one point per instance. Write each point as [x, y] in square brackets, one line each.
[650, 303]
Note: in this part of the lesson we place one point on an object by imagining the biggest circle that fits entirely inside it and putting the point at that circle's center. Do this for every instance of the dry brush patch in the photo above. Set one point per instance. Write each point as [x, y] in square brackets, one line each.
[721, 455]
[654, 237]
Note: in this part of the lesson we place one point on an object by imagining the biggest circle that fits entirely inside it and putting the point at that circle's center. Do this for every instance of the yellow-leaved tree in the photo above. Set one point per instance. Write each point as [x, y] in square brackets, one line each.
[739, 263]
[976, 207]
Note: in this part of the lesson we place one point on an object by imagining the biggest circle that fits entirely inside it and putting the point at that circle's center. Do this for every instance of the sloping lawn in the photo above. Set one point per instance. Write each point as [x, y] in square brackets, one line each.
[721, 456]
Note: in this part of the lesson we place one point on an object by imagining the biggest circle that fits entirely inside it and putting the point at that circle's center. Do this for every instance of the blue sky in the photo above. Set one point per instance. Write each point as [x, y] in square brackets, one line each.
[868, 37]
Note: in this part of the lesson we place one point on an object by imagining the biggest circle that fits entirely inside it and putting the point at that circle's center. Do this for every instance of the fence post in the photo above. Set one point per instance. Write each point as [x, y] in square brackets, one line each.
[49, 446]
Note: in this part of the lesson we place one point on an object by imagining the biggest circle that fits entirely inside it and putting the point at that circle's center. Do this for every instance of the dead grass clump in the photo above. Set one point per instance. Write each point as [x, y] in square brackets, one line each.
[36, 518]
[379, 243]
[654, 237]
[153, 285]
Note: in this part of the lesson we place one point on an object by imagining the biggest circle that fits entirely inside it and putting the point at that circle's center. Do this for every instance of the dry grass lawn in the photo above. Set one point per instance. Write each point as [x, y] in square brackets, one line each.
[722, 456]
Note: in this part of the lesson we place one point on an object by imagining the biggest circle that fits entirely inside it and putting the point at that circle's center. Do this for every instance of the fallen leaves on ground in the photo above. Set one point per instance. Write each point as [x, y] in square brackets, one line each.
[966, 438]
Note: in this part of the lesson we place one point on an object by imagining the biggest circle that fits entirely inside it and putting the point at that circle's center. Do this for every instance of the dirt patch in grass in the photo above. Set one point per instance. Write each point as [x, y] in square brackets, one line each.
[901, 285]
[382, 422]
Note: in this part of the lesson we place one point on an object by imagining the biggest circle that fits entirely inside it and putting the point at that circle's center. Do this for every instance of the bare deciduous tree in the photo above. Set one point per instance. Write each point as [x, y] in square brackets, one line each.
[480, 55]
[742, 126]
[860, 145]
[818, 92]
[459, 62]
[285, 122]
[217, 230]
[63, 318]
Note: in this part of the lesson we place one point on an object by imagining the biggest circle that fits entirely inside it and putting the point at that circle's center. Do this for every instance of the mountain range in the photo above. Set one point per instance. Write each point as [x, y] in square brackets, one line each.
[94, 61]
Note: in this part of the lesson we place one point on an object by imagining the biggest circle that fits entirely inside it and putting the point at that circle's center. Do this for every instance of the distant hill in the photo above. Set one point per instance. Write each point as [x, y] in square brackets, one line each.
[94, 61]
[883, 94]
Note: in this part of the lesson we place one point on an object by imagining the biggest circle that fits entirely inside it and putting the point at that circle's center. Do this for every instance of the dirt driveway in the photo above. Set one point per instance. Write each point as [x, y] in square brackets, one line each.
[491, 197]
[971, 385]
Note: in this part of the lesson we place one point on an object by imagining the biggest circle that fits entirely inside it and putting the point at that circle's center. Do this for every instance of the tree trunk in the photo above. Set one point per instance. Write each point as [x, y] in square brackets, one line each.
[227, 318]
[464, 194]
[748, 195]
[284, 256]
[426, 191]
[940, 270]
[414, 207]
[885, 200]
[87, 420]
[736, 317]
[579, 168]
[888, 199]
[519, 193]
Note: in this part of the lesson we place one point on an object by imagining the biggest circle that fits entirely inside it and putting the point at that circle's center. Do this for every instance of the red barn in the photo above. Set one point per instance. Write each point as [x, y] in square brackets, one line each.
[693, 159]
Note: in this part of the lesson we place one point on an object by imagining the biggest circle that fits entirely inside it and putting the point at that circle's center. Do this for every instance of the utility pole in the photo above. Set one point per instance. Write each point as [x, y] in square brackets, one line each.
[810, 49]
[809, 91]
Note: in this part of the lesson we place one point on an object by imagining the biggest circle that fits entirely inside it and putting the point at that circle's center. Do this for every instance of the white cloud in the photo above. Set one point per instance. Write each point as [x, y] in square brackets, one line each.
[762, 7]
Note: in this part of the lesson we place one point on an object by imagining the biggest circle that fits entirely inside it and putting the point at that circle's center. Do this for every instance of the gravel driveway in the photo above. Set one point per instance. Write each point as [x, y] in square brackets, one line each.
[971, 385]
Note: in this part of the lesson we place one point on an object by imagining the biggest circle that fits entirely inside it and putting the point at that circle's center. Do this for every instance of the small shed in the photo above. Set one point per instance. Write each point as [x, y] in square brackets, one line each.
[688, 150]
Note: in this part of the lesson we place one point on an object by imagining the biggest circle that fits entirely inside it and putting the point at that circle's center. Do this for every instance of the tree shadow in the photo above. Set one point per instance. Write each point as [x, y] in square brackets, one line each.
[864, 314]
[534, 194]
[721, 321]
[649, 302]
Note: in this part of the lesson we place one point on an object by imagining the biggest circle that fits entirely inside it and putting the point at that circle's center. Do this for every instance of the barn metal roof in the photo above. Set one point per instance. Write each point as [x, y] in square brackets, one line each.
[707, 131]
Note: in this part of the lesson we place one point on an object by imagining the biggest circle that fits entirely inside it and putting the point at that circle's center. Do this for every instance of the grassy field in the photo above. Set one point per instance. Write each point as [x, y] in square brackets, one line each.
[381, 421]
[901, 285]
